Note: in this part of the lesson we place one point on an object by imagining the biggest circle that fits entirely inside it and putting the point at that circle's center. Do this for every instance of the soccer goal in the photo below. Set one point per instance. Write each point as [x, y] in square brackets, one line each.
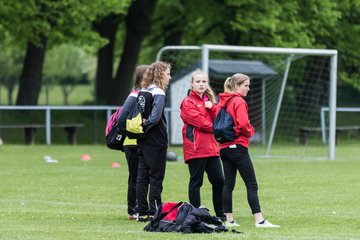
[289, 87]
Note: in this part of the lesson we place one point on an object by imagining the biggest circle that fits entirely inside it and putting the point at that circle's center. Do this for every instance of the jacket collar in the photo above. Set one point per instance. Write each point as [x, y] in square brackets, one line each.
[194, 95]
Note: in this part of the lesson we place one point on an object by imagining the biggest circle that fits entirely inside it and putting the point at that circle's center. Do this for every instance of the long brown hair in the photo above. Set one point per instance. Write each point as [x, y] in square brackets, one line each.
[236, 79]
[139, 74]
[154, 75]
[209, 92]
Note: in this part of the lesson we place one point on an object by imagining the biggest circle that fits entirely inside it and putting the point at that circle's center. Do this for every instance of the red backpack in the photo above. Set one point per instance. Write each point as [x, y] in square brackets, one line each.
[113, 137]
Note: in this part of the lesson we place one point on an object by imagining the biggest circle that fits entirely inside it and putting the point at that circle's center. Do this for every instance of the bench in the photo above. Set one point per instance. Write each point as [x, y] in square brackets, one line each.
[304, 132]
[30, 129]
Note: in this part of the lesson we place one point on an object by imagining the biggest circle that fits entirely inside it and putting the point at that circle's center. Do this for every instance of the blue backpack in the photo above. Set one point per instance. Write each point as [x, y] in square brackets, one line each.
[223, 126]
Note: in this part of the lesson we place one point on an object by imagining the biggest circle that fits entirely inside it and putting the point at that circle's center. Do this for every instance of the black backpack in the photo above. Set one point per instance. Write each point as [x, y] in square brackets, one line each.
[114, 138]
[223, 126]
[134, 120]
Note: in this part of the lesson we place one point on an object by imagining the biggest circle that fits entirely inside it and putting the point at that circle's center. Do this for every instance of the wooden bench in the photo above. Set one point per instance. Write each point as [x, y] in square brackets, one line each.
[30, 129]
[304, 132]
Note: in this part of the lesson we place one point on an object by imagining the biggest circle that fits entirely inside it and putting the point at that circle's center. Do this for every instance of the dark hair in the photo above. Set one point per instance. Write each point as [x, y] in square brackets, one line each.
[139, 75]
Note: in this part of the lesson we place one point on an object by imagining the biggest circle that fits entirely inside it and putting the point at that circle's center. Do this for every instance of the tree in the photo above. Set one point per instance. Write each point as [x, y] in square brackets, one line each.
[31, 74]
[43, 24]
[40, 23]
[107, 28]
[138, 24]
[345, 39]
[10, 65]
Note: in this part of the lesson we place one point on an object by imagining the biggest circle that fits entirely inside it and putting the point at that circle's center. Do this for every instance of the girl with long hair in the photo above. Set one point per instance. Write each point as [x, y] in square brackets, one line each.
[201, 151]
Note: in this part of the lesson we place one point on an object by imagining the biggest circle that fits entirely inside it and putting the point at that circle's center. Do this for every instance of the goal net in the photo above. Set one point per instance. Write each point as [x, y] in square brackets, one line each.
[288, 89]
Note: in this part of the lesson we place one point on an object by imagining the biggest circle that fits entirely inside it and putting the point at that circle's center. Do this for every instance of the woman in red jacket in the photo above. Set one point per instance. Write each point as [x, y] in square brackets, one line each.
[234, 155]
[201, 151]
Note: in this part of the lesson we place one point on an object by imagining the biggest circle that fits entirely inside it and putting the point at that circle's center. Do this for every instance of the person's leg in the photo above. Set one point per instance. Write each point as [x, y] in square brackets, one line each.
[241, 158]
[156, 160]
[229, 184]
[142, 185]
[247, 173]
[196, 170]
[216, 178]
[132, 157]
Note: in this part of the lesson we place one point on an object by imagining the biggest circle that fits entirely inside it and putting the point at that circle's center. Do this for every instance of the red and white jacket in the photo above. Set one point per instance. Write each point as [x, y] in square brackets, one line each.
[238, 110]
[197, 132]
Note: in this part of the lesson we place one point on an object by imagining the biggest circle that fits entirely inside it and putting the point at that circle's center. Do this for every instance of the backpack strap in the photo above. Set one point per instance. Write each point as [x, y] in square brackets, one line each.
[228, 101]
[162, 215]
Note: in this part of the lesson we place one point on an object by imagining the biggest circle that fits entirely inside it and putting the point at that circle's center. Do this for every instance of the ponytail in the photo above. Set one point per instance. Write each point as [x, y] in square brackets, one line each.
[227, 85]
[236, 79]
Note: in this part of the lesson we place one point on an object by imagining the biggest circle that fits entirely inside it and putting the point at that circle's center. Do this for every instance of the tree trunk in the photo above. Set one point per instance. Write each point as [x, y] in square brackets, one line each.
[173, 37]
[31, 74]
[107, 28]
[10, 95]
[138, 24]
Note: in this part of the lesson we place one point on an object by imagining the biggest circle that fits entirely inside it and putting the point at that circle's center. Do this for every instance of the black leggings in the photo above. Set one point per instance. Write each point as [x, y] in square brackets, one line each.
[212, 166]
[151, 173]
[238, 159]
[132, 158]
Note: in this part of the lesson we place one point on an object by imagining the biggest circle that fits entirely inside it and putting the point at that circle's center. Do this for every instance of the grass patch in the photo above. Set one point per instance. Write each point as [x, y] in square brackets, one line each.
[79, 95]
[73, 199]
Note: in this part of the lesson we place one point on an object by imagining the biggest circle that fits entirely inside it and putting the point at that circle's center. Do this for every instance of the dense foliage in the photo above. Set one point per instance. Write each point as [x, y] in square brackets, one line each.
[118, 33]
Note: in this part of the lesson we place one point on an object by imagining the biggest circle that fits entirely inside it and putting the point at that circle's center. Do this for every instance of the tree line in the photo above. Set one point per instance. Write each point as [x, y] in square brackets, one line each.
[124, 33]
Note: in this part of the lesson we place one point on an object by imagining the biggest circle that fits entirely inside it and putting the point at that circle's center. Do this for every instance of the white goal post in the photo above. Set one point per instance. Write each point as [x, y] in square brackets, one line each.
[264, 63]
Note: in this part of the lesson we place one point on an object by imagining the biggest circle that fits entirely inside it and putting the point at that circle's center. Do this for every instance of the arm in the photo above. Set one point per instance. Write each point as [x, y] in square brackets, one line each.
[243, 125]
[127, 107]
[213, 111]
[191, 115]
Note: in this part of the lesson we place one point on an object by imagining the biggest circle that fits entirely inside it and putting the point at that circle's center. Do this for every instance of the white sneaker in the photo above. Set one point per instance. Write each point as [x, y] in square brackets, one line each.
[231, 224]
[266, 224]
[133, 217]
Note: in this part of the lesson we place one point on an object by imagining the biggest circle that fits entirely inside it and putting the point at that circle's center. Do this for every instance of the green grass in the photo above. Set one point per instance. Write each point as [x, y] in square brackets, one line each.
[73, 199]
[80, 94]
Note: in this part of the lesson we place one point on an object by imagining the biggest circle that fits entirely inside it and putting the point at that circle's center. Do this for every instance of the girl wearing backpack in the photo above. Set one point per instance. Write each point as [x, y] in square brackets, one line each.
[131, 148]
[201, 151]
[153, 147]
[234, 154]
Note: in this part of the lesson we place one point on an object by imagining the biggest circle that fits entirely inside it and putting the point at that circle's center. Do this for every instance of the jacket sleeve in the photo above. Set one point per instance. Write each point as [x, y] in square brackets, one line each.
[243, 125]
[127, 107]
[191, 115]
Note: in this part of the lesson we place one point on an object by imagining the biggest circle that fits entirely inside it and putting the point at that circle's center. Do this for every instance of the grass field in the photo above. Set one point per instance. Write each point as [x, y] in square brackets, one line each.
[79, 95]
[74, 199]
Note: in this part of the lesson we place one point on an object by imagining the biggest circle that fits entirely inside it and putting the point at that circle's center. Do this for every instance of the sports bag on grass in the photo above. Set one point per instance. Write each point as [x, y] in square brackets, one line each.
[223, 126]
[184, 218]
[113, 137]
